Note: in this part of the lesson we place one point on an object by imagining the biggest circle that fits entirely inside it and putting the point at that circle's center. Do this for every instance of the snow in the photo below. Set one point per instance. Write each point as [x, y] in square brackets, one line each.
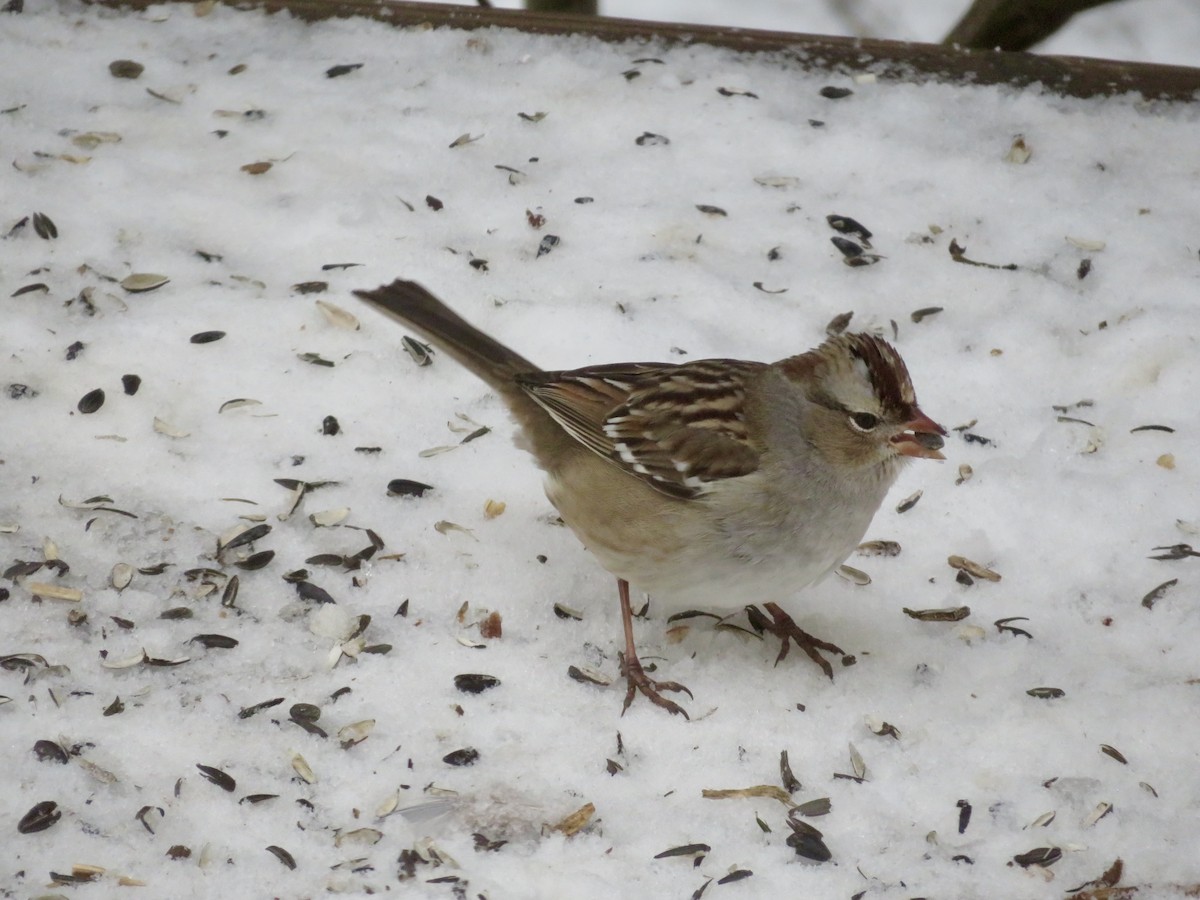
[1067, 513]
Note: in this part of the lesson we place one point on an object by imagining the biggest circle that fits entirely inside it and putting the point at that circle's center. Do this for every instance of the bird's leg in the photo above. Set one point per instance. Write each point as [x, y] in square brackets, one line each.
[631, 667]
[786, 629]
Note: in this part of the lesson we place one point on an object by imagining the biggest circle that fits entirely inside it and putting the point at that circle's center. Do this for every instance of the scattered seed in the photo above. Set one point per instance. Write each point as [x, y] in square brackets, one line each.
[141, 282]
[857, 765]
[882, 728]
[735, 875]
[244, 536]
[206, 337]
[248, 711]
[958, 253]
[585, 675]
[918, 315]
[222, 780]
[565, 612]
[50, 751]
[445, 527]
[972, 568]
[229, 595]
[684, 850]
[1175, 551]
[1039, 856]
[282, 855]
[847, 225]
[125, 68]
[964, 815]
[965, 472]
[849, 249]
[355, 733]
[853, 575]
[343, 69]
[464, 757]
[328, 518]
[464, 139]
[1003, 626]
[337, 316]
[711, 210]
[649, 139]
[91, 401]
[1158, 593]
[176, 612]
[310, 592]
[214, 641]
[1043, 820]
[42, 816]
[909, 502]
[475, 684]
[1085, 266]
[814, 808]
[161, 426]
[159, 662]
[1114, 753]
[44, 226]
[548, 243]
[1019, 152]
[1091, 246]
[807, 841]
[1102, 809]
[1167, 428]
[255, 561]
[835, 93]
[791, 783]
[1046, 693]
[257, 168]
[303, 769]
[115, 708]
[316, 359]
[879, 548]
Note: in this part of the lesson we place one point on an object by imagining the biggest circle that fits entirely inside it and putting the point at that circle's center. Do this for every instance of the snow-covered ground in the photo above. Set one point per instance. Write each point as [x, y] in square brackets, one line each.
[1049, 362]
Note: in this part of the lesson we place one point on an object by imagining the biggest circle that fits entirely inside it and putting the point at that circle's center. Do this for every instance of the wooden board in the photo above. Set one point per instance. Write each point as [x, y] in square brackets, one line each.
[889, 60]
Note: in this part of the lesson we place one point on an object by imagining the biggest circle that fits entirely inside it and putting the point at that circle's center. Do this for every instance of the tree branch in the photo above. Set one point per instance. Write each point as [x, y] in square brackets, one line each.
[1014, 24]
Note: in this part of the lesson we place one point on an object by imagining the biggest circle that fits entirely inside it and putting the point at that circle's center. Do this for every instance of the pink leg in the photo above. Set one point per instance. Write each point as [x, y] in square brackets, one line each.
[631, 667]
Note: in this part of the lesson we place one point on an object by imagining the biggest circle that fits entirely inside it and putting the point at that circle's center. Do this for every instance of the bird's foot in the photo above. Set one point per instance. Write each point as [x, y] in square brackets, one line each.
[638, 682]
[786, 629]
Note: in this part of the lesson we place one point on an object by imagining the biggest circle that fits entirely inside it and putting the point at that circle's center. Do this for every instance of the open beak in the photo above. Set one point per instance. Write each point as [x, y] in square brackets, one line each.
[921, 437]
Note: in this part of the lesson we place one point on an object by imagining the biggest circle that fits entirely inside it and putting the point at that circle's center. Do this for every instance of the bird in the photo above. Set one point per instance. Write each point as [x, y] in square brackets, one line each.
[714, 481]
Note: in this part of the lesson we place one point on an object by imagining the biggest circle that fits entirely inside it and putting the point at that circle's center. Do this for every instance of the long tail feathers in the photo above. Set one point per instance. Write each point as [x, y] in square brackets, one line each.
[414, 307]
[410, 304]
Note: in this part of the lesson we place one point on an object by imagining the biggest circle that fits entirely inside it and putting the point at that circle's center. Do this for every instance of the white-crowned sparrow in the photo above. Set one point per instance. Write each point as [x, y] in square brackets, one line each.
[716, 481]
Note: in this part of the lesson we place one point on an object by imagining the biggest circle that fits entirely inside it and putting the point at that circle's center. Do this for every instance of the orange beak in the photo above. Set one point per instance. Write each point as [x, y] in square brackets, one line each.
[921, 437]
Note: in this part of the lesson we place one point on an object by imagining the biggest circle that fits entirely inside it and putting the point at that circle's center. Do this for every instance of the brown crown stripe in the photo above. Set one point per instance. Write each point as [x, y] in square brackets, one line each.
[887, 371]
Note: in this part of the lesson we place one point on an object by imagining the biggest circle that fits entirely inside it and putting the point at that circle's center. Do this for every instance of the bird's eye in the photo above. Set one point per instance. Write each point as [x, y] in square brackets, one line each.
[864, 421]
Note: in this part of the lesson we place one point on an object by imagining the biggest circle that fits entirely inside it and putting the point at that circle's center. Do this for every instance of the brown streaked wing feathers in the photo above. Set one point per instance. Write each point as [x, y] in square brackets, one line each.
[636, 416]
